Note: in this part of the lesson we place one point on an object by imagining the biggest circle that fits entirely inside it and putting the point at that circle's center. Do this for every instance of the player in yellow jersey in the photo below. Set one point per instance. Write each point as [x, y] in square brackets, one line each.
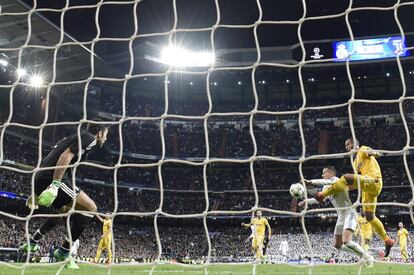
[402, 238]
[368, 174]
[260, 223]
[365, 231]
[106, 239]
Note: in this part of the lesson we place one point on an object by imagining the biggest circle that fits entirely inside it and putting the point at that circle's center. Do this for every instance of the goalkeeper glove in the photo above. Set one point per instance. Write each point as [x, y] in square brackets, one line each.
[48, 196]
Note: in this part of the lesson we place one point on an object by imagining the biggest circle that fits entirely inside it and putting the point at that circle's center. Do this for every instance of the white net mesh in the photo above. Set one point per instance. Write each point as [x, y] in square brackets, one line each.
[90, 71]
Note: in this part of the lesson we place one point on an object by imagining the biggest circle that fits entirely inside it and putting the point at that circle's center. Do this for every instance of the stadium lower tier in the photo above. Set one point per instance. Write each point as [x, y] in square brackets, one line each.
[184, 241]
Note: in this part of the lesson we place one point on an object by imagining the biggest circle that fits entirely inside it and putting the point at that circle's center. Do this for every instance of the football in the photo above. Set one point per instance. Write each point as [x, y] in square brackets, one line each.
[297, 190]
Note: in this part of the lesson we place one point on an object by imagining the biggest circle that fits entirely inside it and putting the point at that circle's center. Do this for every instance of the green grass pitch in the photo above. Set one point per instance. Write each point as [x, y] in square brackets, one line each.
[229, 269]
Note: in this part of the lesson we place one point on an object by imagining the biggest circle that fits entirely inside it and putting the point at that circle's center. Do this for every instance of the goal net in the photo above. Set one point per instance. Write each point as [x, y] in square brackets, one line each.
[215, 108]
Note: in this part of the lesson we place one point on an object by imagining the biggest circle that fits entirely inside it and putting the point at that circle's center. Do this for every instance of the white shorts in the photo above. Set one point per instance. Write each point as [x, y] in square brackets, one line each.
[346, 220]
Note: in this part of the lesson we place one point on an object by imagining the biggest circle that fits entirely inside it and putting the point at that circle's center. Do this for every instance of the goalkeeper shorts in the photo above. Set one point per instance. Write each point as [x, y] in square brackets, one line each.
[66, 194]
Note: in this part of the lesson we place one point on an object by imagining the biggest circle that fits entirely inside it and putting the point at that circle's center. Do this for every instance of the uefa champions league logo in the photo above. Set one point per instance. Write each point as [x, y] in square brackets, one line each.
[316, 53]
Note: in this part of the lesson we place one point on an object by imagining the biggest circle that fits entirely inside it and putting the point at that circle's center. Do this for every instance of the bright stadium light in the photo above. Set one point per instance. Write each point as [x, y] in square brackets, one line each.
[4, 62]
[36, 81]
[180, 57]
[21, 72]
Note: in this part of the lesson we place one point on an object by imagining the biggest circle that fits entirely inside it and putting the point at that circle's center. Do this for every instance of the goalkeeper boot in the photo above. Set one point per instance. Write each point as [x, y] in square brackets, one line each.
[72, 265]
[32, 247]
[60, 256]
[388, 244]
[48, 196]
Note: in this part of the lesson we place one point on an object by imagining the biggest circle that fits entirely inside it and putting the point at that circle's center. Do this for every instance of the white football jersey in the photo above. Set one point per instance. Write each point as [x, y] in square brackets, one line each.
[74, 249]
[284, 246]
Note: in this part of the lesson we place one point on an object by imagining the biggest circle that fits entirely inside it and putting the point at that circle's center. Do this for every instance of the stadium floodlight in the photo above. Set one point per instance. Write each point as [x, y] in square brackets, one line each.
[4, 62]
[180, 57]
[21, 72]
[36, 81]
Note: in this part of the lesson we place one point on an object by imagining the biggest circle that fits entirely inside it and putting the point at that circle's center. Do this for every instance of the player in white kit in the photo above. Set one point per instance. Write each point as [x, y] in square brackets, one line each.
[74, 253]
[284, 248]
[347, 218]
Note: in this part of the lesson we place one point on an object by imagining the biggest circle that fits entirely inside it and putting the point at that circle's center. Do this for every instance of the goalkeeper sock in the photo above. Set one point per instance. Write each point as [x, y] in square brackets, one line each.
[45, 228]
[379, 228]
[335, 188]
[79, 223]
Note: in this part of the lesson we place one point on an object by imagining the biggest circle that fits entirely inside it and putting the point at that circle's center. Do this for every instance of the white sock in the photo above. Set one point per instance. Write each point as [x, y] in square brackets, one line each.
[356, 248]
[347, 249]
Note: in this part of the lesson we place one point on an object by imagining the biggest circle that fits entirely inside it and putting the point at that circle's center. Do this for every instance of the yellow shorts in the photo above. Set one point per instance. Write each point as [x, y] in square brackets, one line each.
[370, 191]
[105, 244]
[258, 242]
[367, 237]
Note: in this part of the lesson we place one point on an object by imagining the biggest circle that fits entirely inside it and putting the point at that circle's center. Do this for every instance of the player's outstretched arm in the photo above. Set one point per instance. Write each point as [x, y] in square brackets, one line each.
[309, 201]
[64, 160]
[269, 229]
[246, 224]
[372, 153]
[319, 182]
[99, 218]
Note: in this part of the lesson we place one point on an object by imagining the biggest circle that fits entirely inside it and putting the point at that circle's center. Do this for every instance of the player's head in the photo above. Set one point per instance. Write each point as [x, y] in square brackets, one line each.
[400, 225]
[349, 144]
[258, 213]
[100, 131]
[328, 172]
[362, 214]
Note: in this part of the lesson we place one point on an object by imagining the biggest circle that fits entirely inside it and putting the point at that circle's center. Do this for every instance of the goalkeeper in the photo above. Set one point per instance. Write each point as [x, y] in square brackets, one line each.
[54, 187]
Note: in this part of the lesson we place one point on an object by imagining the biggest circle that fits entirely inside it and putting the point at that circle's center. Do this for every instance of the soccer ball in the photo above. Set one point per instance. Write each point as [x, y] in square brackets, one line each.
[297, 190]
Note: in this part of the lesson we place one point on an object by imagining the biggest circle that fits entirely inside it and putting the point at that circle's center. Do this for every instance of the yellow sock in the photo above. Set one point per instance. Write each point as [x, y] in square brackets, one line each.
[109, 255]
[366, 247]
[98, 254]
[258, 254]
[335, 188]
[404, 254]
[379, 228]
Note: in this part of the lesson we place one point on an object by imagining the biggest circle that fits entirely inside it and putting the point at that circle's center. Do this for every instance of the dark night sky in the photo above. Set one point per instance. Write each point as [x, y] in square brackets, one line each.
[157, 16]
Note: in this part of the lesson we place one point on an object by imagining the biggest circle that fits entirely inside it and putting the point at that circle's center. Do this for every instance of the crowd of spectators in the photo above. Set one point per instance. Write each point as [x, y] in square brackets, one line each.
[228, 243]
[230, 186]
